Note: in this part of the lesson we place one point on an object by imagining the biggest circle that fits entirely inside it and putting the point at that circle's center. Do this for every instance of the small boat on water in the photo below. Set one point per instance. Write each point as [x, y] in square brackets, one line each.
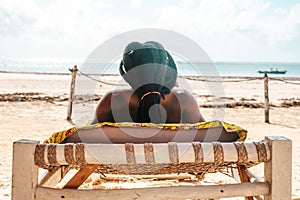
[276, 71]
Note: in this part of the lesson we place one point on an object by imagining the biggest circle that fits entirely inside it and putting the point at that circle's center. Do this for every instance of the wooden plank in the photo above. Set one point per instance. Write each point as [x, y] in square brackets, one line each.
[254, 176]
[81, 176]
[118, 177]
[178, 192]
[244, 177]
[24, 171]
[52, 178]
[278, 171]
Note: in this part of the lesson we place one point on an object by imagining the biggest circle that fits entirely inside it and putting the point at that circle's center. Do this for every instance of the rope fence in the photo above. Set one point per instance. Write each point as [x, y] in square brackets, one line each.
[282, 80]
[217, 79]
[99, 81]
[209, 79]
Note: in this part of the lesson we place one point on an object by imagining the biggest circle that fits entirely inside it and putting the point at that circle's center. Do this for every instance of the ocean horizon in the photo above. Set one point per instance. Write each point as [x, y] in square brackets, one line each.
[228, 69]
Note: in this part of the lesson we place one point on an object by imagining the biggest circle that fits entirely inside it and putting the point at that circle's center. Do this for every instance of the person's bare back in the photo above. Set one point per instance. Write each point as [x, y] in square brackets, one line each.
[179, 106]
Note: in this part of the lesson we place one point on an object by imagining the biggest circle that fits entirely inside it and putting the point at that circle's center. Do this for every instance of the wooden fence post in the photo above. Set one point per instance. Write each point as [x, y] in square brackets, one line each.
[267, 106]
[72, 88]
[278, 171]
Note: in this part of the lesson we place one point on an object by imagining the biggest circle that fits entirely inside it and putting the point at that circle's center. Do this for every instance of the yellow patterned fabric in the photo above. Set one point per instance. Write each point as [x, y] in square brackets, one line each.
[60, 136]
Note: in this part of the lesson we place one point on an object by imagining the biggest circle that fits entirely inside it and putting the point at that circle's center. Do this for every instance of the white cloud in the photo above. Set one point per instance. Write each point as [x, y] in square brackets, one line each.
[14, 19]
[135, 3]
[70, 28]
[232, 30]
[247, 30]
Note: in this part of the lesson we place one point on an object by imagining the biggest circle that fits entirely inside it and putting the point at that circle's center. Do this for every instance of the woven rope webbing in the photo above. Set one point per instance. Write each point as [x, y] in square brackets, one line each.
[148, 158]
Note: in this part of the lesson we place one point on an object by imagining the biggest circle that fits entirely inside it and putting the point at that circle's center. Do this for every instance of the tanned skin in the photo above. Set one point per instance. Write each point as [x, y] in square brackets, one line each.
[122, 106]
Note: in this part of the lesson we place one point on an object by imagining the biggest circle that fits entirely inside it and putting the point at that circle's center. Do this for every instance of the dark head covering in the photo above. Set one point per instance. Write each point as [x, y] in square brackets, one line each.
[151, 72]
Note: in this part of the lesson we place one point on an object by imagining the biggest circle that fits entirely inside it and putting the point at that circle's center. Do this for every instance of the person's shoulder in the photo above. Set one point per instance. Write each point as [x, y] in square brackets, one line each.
[184, 95]
[112, 96]
[181, 92]
[118, 92]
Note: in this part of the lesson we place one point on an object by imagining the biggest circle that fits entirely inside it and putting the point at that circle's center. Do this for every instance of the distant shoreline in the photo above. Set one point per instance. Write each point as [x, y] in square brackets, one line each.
[181, 76]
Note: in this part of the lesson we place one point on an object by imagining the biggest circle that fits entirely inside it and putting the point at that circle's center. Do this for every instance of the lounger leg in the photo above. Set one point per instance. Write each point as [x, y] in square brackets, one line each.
[52, 178]
[24, 171]
[244, 177]
[81, 176]
[278, 171]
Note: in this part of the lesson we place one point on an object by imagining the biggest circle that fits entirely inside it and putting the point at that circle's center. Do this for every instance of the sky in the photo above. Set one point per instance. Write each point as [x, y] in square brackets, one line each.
[228, 30]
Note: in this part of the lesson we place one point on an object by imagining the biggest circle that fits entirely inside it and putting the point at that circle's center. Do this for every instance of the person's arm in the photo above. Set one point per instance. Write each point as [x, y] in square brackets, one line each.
[191, 112]
[103, 110]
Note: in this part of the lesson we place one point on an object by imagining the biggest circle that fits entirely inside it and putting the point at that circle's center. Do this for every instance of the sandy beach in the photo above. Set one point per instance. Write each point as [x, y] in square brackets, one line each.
[34, 106]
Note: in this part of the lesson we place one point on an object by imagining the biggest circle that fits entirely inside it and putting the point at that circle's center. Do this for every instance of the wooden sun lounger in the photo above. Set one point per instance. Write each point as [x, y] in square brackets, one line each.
[150, 159]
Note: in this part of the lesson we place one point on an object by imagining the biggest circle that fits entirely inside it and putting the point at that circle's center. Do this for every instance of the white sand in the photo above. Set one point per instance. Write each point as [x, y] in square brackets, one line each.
[38, 119]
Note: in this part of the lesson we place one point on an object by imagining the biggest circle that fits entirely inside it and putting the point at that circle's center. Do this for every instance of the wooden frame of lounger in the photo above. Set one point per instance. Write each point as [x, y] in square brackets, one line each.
[28, 156]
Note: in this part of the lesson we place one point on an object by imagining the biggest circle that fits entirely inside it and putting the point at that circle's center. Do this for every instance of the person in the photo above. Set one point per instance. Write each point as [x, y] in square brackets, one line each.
[153, 97]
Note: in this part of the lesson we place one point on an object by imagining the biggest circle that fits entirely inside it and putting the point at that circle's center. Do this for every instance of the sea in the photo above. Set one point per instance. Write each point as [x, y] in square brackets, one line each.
[226, 69]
